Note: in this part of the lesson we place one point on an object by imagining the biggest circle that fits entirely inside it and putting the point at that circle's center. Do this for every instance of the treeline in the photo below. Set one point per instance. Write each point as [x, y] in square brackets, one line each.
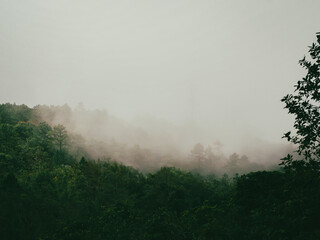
[98, 135]
[47, 191]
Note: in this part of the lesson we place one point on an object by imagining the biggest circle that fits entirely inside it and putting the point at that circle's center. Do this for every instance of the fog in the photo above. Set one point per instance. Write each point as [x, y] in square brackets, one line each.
[148, 143]
[168, 74]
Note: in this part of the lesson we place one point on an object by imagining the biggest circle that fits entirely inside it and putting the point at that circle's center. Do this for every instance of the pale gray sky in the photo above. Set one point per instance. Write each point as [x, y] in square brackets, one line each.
[223, 65]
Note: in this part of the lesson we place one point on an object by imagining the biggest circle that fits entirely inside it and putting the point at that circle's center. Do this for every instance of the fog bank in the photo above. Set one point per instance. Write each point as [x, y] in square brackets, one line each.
[148, 143]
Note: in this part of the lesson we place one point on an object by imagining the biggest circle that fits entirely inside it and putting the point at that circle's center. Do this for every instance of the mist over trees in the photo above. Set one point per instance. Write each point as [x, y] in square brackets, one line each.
[65, 179]
[87, 134]
[101, 135]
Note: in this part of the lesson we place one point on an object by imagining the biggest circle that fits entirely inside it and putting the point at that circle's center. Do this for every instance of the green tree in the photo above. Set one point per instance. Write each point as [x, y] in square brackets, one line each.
[59, 136]
[41, 136]
[304, 104]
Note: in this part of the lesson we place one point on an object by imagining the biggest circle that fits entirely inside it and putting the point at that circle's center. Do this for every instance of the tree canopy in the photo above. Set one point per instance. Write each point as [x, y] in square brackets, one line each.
[304, 104]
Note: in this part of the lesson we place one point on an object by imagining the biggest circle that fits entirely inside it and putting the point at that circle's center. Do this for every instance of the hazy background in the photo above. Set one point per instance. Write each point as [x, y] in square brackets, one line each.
[216, 68]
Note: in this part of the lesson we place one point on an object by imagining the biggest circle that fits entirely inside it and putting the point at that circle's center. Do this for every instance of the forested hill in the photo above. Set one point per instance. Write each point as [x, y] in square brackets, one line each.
[49, 190]
[98, 135]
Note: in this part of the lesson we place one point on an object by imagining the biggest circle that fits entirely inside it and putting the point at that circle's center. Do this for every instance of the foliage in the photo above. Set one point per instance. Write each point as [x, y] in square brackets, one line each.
[59, 136]
[48, 193]
[304, 104]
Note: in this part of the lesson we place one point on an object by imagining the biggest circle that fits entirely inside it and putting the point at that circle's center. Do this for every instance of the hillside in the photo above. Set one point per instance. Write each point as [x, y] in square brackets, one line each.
[51, 188]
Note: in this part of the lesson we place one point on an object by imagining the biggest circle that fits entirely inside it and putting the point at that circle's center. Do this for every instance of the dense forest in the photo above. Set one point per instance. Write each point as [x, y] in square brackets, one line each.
[48, 193]
[51, 188]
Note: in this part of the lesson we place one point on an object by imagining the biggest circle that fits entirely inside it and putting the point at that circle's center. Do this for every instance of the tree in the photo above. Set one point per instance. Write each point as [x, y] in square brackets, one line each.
[304, 104]
[198, 154]
[41, 137]
[59, 136]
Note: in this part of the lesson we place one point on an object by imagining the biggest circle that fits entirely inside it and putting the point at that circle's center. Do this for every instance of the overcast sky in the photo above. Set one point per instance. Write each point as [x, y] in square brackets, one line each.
[223, 65]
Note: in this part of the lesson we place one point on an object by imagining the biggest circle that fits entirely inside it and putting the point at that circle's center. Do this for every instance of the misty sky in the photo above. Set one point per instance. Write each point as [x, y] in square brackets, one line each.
[222, 65]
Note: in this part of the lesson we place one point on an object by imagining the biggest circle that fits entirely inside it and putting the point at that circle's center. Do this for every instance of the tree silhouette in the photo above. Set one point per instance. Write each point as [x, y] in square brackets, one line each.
[59, 135]
[304, 104]
[198, 154]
